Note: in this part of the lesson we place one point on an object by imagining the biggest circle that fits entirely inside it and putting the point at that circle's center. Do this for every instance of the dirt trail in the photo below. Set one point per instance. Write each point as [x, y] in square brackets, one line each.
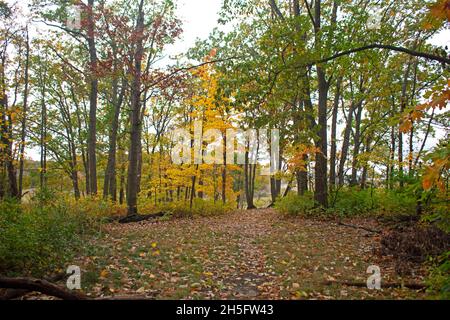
[254, 254]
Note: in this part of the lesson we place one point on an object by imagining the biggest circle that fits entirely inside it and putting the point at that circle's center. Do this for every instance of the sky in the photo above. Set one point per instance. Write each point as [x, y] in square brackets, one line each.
[199, 18]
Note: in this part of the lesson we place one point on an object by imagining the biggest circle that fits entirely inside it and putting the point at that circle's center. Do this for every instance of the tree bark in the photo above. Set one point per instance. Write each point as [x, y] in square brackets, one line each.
[23, 133]
[391, 160]
[92, 138]
[43, 143]
[403, 102]
[321, 189]
[345, 144]
[249, 182]
[135, 119]
[224, 172]
[356, 144]
[6, 134]
[333, 133]
[110, 183]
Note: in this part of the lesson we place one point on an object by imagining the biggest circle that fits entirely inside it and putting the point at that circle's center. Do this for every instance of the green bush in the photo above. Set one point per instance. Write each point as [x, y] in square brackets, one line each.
[38, 237]
[439, 279]
[351, 201]
[294, 204]
[395, 202]
[354, 201]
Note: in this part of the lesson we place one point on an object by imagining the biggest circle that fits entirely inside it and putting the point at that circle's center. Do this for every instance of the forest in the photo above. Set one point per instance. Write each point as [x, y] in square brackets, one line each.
[299, 151]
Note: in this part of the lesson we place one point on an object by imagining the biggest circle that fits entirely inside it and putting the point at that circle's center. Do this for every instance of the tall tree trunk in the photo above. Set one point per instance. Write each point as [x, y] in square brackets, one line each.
[391, 160]
[333, 133]
[249, 182]
[81, 143]
[92, 138]
[321, 189]
[122, 161]
[110, 183]
[224, 172]
[366, 166]
[140, 163]
[302, 179]
[411, 151]
[6, 135]
[403, 102]
[357, 144]
[74, 171]
[43, 138]
[135, 119]
[345, 145]
[23, 133]
[43, 170]
[192, 194]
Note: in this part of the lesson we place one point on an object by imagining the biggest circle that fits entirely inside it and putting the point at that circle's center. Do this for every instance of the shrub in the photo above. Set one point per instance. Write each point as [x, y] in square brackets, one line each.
[38, 237]
[294, 204]
[395, 202]
[351, 201]
[439, 279]
[354, 201]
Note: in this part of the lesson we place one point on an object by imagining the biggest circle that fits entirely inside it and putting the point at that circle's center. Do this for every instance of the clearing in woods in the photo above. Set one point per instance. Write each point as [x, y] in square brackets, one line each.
[254, 254]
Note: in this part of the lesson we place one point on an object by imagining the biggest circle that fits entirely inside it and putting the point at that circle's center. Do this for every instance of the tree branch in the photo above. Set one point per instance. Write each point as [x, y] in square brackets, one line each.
[308, 9]
[387, 47]
[275, 8]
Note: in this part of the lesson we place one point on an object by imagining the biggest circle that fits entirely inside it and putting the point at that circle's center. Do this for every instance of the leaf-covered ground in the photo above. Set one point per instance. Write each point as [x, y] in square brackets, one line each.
[244, 255]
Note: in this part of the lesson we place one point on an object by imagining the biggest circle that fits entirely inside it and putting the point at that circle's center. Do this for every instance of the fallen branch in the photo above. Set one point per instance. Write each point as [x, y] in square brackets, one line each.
[43, 286]
[139, 218]
[413, 286]
[27, 285]
[10, 294]
[125, 298]
[358, 227]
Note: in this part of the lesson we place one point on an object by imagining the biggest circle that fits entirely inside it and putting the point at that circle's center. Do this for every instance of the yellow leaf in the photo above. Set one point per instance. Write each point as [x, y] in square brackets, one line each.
[104, 274]
[154, 244]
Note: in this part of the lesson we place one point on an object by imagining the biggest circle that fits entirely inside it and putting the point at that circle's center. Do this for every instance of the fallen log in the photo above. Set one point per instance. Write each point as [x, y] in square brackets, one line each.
[413, 286]
[125, 298]
[27, 285]
[42, 286]
[139, 217]
[358, 227]
[10, 294]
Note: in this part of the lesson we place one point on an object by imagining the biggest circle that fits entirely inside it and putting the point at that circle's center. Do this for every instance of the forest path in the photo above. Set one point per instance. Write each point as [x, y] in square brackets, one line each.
[256, 254]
